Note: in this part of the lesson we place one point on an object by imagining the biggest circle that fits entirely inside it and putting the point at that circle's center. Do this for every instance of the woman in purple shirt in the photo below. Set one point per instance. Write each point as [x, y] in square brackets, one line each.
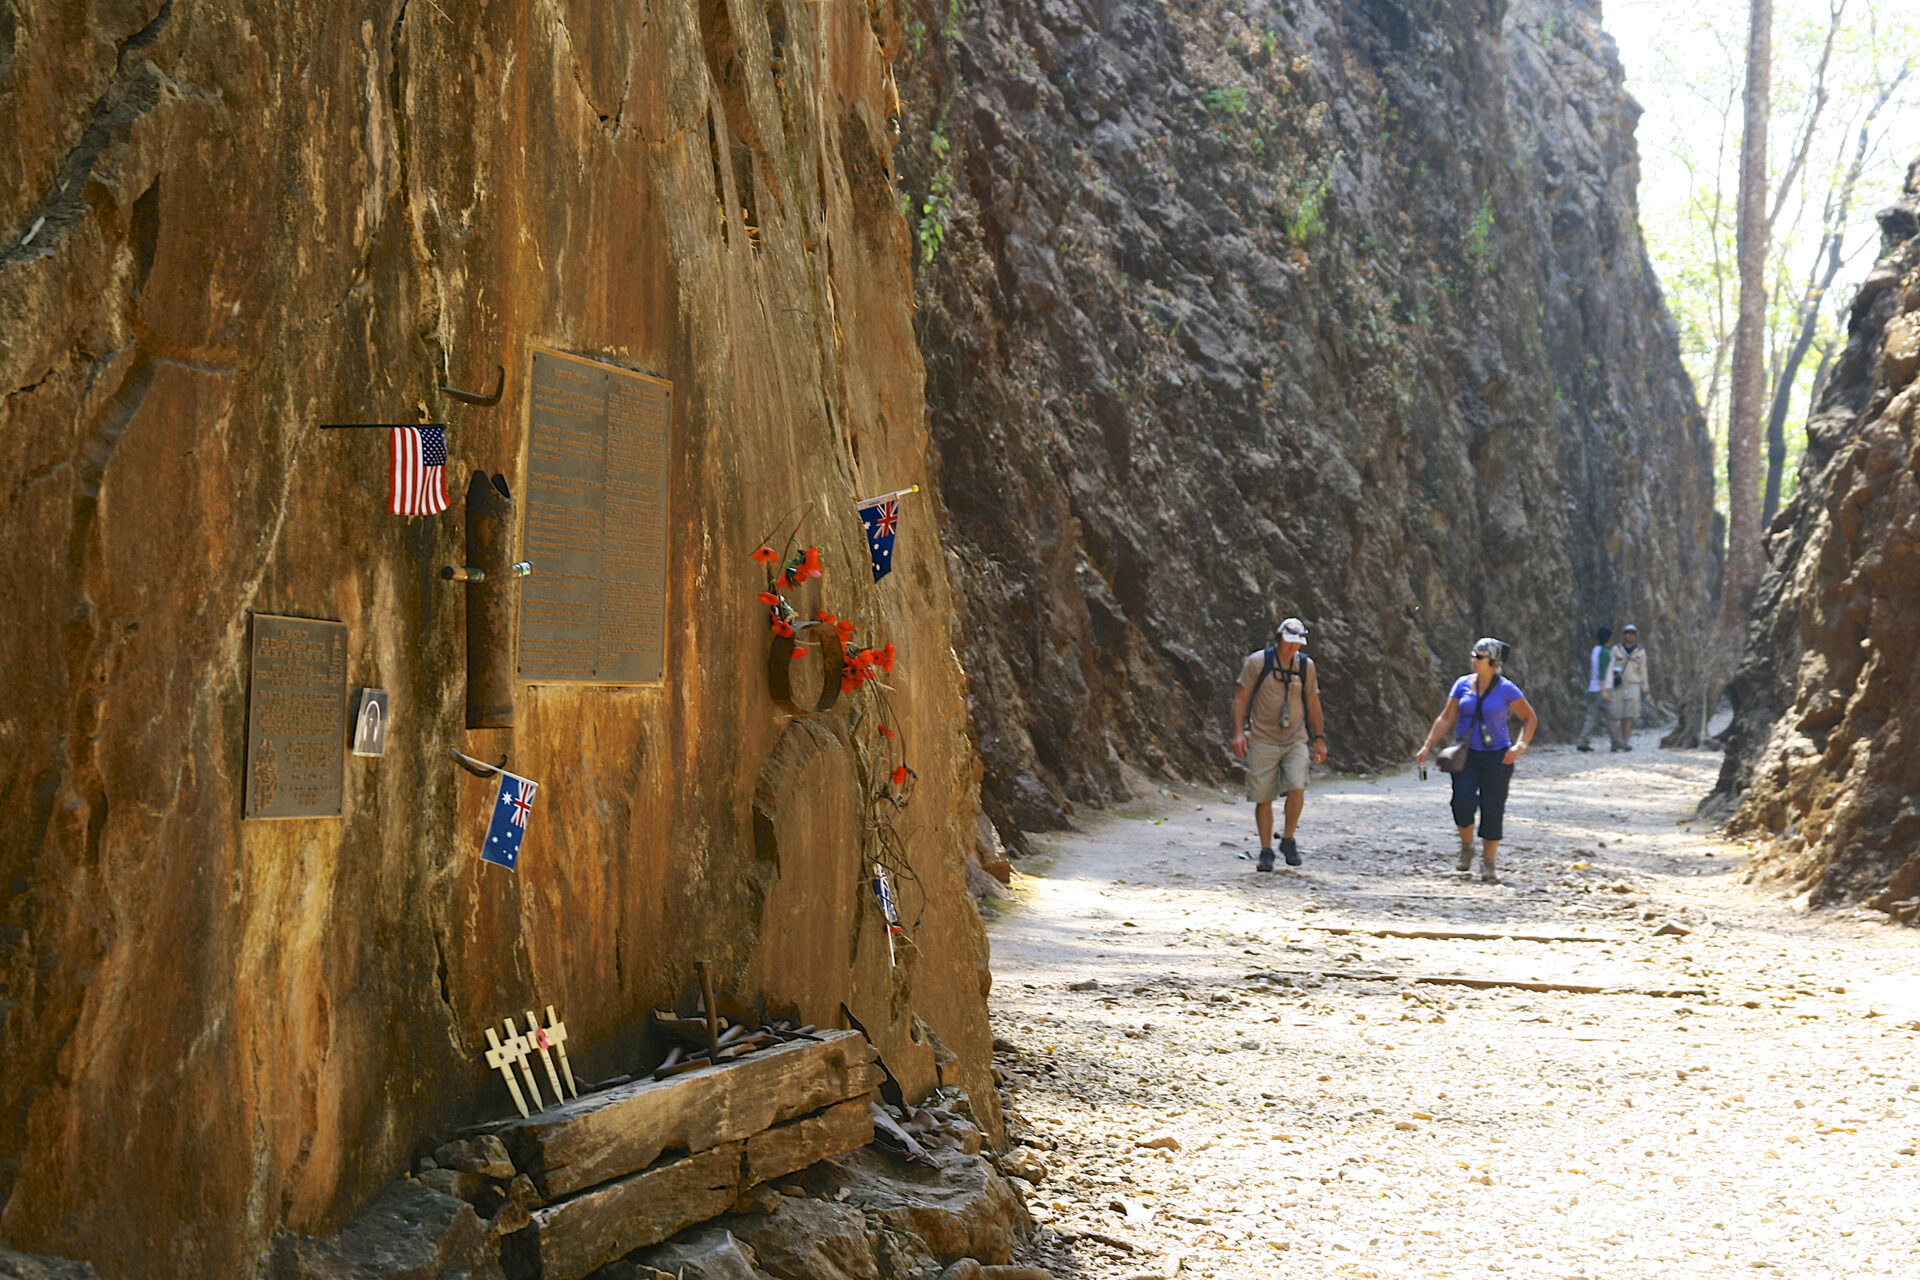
[1477, 708]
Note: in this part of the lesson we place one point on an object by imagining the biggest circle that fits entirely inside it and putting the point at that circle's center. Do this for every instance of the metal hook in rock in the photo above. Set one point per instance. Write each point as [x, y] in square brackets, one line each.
[479, 768]
[477, 398]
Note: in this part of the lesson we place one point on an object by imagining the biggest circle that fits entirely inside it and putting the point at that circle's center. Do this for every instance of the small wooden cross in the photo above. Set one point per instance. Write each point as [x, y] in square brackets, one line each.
[501, 1058]
[556, 1033]
[523, 1056]
[543, 1042]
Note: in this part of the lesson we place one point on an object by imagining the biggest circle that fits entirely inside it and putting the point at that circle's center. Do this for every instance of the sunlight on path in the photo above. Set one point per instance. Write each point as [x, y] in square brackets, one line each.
[1732, 1092]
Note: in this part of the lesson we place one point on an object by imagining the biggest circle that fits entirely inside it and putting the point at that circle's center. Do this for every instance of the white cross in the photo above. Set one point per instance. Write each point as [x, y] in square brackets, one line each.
[501, 1058]
[557, 1036]
[525, 1047]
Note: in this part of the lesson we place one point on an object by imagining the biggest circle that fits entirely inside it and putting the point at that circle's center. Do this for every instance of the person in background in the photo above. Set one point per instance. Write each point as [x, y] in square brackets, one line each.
[1477, 708]
[1628, 678]
[1278, 702]
[1599, 712]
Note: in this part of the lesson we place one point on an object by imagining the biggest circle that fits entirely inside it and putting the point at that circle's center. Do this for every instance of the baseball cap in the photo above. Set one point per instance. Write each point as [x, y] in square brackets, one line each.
[1292, 631]
[1629, 627]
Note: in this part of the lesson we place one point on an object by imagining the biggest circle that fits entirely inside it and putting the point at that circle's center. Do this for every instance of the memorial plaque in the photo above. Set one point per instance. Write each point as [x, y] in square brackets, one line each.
[596, 524]
[296, 714]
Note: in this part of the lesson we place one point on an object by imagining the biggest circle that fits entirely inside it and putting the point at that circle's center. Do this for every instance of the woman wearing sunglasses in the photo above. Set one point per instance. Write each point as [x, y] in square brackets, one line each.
[1477, 709]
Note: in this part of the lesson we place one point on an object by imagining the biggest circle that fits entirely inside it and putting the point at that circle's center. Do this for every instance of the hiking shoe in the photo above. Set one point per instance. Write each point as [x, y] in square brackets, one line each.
[1465, 861]
[1617, 747]
[1266, 860]
[1583, 747]
[1290, 851]
[1486, 874]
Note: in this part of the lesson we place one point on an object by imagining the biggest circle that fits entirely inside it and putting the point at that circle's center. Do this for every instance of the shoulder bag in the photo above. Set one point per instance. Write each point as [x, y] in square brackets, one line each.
[1453, 758]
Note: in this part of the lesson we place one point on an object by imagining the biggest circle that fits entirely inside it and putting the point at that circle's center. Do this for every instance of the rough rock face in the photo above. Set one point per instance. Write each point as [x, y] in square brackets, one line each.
[223, 224]
[1822, 757]
[1335, 308]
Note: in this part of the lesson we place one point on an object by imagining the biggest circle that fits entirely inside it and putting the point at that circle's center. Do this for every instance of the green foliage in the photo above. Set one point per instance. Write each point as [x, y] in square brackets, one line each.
[1226, 101]
[938, 205]
[1268, 42]
[916, 35]
[1548, 28]
[956, 10]
[1478, 244]
[1308, 219]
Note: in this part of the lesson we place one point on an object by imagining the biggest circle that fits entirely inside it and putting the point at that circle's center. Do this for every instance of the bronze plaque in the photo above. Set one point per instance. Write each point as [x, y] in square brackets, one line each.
[594, 610]
[296, 718]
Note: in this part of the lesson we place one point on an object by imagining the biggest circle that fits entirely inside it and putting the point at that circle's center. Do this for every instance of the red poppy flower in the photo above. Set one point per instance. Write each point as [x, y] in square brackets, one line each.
[886, 658]
[767, 597]
[799, 650]
[783, 582]
[845, 628]
[765, 555]
[847, 684]
[899, 775]
[825, 617]
[885, 732]
[780, 627]
[812, 561]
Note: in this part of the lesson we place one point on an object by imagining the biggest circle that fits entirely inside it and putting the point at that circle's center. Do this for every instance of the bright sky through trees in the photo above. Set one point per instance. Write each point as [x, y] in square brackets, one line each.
[1833, 61]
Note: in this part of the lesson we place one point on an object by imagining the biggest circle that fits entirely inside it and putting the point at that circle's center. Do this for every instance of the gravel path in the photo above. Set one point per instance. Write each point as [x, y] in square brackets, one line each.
[1259, 1085]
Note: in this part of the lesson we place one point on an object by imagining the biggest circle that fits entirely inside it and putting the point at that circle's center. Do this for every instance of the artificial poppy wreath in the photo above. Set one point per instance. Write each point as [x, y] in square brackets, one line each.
[888, 781]
[858, 667]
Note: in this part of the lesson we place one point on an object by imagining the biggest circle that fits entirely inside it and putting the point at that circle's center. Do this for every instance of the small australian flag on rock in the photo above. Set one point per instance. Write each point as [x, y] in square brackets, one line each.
[882, 518]
[509, 826]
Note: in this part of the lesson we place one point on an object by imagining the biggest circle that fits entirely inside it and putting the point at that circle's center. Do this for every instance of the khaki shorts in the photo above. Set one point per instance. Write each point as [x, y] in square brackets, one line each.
[1271, 770]
[1626, 702]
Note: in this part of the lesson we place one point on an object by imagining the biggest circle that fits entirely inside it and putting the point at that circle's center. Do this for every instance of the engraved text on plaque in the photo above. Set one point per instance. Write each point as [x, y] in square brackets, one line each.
[296, 718]
[593, 611]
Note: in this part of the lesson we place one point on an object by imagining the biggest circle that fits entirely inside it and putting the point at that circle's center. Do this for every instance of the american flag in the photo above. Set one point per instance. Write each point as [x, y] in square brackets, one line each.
[419, 471]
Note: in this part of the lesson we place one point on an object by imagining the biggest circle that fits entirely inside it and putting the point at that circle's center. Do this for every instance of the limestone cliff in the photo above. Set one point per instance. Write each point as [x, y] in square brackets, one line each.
[1335, 308]
[224, 223]
[1821, 755]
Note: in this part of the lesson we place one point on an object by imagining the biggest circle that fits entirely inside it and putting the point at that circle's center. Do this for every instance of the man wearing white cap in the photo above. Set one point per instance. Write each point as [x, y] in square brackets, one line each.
[1276, 727]
[1628, 679]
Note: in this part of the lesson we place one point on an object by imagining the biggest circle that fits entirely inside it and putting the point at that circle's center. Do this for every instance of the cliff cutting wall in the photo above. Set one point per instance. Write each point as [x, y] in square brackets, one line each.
[227, 223]
[1335, 308]
[1821, 760]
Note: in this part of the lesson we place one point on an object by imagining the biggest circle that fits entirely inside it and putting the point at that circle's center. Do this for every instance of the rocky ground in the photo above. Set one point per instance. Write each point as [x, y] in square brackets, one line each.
[1214, 1072]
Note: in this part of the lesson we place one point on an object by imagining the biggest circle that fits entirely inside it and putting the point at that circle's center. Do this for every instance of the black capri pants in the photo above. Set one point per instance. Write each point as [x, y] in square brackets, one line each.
[1483, 785]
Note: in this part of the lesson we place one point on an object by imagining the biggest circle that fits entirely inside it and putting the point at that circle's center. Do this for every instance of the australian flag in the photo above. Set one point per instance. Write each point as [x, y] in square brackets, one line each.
[509, 826]
[882, 518]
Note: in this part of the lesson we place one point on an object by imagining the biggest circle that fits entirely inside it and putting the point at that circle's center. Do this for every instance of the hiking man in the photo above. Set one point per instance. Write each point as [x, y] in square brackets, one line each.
[1628, 678]
[1599, 700]
[1276, 726]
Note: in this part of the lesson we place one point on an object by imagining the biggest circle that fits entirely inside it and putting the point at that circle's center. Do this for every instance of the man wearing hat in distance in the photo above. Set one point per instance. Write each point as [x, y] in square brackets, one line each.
[1628, 679]
[1276, 726]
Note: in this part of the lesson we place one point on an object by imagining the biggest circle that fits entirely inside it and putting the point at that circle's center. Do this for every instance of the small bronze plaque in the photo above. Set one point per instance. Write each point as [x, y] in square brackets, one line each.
[296, 713]
[597, 447]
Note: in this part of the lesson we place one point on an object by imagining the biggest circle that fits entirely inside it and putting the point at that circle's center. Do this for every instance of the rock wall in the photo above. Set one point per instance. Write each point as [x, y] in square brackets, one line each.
[226, 223]
[1335, 308]
[1821, 758]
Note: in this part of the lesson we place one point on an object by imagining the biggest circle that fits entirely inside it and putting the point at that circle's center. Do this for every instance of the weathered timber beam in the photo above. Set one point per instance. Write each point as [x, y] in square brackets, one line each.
[1522, 984]
[1456, 935]
[790, 1147]
[602, 1136]
[573, 1236]
[581, 1233]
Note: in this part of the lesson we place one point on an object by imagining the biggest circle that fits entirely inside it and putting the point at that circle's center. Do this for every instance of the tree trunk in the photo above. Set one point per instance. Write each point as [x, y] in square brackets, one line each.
[1749, 335]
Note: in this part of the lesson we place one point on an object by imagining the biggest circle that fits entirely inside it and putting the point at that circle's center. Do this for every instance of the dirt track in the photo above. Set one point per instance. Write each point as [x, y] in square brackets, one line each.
[1253, 1091]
